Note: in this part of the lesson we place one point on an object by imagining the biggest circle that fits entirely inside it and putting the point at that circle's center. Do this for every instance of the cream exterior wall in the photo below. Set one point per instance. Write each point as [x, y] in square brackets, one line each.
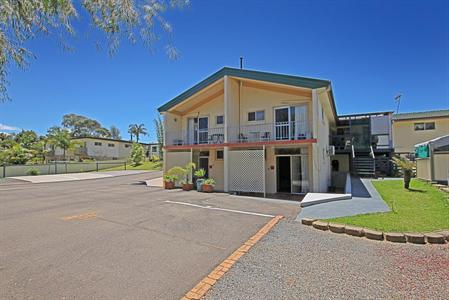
[321, 129]
[405, 137]
[441, 166]
[216, 169]
[343, 162]
[256, 99]
[176, 159]
[423, 168]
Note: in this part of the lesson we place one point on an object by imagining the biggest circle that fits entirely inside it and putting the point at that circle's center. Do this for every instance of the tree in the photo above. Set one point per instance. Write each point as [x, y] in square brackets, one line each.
[137, 154]
[26, 138]
[60, 137]
[115, 133]
[407, 168]
[131, 131]
[22, 20]
[81, 126]
[159, 127]
[137, 130]
[16, 155]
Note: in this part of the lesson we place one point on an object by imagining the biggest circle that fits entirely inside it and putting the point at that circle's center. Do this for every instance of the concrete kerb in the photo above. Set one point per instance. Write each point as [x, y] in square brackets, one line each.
[439, 237]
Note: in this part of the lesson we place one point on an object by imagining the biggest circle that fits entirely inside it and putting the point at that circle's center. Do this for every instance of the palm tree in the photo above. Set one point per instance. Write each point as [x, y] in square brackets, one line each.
[137, 130]
[131, 131]
[61, 138]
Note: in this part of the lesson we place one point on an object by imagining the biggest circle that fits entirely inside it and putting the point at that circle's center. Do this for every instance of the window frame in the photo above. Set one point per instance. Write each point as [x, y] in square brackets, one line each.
[222, 120]
[416, 126]
[433, 127]
[256, 114]
[222, 154]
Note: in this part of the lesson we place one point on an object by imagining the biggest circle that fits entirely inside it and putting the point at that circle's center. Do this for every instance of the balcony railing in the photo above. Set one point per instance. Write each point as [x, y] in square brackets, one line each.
[279, 131]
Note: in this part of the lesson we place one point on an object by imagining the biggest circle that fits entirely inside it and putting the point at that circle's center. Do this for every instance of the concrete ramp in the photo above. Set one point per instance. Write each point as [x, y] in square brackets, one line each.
[317, 198]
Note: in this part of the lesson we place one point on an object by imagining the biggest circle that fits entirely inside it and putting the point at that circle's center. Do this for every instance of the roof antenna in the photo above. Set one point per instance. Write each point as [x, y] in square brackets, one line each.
[241, 63]
[398, 100]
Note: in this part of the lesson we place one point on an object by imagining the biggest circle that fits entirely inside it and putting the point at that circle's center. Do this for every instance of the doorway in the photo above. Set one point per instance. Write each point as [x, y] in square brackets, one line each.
[203, 163]
[291, 174]
[284, 179]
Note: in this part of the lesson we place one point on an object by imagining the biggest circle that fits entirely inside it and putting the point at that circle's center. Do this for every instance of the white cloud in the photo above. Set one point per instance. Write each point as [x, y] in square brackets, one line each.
[8, 128]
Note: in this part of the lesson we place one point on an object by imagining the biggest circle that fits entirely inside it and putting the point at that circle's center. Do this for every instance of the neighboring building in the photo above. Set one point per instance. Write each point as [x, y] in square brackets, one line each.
[410, 129]
[254, 131]
[102, 149]
[363, 144]
[432, 160]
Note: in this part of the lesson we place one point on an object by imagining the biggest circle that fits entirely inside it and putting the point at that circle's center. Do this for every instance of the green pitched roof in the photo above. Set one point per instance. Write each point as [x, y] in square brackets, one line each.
[421, 115]
[255, 75]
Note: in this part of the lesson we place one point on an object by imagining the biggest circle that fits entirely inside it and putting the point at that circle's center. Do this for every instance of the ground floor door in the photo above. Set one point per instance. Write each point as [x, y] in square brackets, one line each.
[203, 163]
[291, 174]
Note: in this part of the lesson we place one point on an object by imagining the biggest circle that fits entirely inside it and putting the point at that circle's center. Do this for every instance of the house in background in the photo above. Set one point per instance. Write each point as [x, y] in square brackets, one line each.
[432, 160]
[101, 149]
[254, 132]
[413, 128]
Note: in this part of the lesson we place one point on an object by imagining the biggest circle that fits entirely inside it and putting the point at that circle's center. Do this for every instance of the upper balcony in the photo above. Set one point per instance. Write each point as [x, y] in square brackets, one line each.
[255, 133]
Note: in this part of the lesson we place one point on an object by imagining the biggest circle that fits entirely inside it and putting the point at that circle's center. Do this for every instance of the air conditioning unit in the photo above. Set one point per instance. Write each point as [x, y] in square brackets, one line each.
[331, 150]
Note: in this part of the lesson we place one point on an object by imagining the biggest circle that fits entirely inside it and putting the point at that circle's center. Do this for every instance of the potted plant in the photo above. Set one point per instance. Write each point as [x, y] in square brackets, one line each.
[169, 182]
[187, 184]
[208, 185]
[174, 174]
[199, 174]
[407, 168]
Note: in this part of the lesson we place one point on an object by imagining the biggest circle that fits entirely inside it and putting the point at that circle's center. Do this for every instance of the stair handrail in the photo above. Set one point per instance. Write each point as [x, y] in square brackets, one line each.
[372, 152]
[353, 152]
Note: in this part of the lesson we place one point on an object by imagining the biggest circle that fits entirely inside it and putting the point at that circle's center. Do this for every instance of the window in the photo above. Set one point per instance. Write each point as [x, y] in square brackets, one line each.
[429, 126]
[154, 149]
[256, 115]
[220, 154]
[424, 126]
[127, 145]
[111, 145]
[97, 143]
[220, 120]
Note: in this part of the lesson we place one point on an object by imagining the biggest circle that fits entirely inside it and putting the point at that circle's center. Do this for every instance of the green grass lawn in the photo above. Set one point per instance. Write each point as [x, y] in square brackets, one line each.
[423, 208]
[148, 165]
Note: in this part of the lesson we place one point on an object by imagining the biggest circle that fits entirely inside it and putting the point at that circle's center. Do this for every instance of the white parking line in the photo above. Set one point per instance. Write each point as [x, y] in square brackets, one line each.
[222, 209]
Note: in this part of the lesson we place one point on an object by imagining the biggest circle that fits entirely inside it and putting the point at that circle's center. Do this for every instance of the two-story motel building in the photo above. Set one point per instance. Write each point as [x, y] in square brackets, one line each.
[254, 131]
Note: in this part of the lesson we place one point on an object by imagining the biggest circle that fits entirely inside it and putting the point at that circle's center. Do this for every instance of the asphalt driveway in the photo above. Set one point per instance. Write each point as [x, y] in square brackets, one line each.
[114, 238]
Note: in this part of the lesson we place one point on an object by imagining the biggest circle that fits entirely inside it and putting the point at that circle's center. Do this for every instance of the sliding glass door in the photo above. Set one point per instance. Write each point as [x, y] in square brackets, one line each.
[290, 122]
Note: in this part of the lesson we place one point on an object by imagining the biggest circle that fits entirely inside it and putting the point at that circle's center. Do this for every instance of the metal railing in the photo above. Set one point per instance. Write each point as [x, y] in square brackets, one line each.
[279, 131]
[195, 137]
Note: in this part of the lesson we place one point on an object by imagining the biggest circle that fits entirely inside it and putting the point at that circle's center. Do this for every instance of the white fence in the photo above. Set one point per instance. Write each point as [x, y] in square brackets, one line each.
[59, 167]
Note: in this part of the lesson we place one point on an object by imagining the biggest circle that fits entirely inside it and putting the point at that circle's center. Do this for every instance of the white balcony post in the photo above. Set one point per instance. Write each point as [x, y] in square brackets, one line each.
[226, 108]
[226, 168]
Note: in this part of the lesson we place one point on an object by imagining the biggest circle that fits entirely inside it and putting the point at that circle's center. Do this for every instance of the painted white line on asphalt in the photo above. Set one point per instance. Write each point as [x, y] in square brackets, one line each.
[222, 209]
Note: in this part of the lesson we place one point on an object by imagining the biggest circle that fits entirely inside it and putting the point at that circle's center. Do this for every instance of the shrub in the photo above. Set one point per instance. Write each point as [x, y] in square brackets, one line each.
[209, 181]
[137, 154]
[33, 172]
[201, 173]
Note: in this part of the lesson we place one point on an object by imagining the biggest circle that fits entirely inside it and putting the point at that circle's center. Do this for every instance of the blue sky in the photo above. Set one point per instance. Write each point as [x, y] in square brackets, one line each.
[370, 50]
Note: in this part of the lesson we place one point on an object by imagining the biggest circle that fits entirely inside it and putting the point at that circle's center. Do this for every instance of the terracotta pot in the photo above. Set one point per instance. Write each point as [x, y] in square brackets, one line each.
[169, 185]
[207, 188]
[187, 186]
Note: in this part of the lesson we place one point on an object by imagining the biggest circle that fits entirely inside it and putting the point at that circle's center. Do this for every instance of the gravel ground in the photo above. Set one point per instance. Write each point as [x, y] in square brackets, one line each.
[297, 262]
